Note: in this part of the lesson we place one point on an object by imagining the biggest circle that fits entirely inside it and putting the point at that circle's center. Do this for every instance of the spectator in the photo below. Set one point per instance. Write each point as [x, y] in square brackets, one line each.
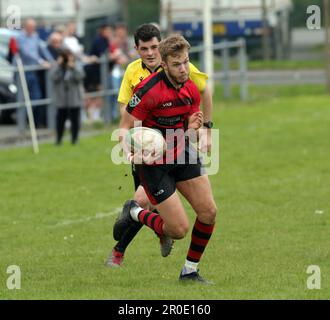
[119, 54]
[43, 30]
[55, 43]
[60, 28]
[33, 52]
[71, 40]
[100, 46]
[122, 42]
[67, 76]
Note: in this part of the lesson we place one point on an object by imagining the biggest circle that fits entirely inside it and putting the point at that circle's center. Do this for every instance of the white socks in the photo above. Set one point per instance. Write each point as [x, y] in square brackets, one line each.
[189, 267]
[135, 213]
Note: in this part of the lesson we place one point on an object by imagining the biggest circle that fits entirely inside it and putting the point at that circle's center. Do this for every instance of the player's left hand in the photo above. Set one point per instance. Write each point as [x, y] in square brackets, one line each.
[195, 121]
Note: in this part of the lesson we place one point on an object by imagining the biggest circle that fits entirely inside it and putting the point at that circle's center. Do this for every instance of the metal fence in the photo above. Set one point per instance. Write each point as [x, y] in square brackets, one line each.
[105, 93]
[48, 102]
[224, 75]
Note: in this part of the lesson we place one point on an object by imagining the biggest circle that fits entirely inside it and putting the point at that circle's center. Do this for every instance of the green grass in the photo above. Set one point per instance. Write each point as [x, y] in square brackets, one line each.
[259, 65]
[57, 210]
[286, 64]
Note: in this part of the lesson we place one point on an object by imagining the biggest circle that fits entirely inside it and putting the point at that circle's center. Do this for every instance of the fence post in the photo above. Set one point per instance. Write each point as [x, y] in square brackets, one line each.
[243, 70]
[225, 69]
[20, 111]
[50, 106]
[105, 86]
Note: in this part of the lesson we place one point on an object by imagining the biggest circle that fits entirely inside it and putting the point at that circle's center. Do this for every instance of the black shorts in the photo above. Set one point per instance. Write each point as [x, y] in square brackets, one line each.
[136, 178]
[159, 181]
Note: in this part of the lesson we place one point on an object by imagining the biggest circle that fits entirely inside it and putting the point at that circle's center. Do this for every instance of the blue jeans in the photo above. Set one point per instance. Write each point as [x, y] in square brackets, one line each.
[33, 84]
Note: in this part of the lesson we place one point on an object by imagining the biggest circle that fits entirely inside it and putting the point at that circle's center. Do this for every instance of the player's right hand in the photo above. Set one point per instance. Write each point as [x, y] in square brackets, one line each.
[195, 121]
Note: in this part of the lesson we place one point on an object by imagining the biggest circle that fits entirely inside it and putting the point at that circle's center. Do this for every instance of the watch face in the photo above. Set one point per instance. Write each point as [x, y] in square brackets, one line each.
[208, 124]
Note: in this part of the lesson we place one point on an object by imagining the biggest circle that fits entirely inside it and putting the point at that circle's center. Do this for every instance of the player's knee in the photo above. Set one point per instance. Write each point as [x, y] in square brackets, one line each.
[142, 200]
[209, 214]
[212, 214]
[180, 231]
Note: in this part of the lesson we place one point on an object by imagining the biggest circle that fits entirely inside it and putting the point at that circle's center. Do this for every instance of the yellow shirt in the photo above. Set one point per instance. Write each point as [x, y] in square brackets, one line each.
[136, 71]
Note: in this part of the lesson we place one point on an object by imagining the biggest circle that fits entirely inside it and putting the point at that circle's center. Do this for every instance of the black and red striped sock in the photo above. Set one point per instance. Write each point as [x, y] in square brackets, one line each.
[152, 220]
[200, 237]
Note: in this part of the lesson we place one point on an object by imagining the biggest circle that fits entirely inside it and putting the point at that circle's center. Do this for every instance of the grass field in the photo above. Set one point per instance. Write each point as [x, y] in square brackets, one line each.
[273, 192]
[259, 65]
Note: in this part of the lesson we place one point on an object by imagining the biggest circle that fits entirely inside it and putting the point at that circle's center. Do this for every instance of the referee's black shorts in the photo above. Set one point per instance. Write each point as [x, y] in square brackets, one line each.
[159, 181]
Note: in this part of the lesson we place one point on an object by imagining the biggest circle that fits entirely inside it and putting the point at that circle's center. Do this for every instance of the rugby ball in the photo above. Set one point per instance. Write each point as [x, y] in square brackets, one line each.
[146, 141]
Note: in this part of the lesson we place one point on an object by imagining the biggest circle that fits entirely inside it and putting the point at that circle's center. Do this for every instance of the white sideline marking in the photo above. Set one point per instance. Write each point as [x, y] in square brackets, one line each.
[100, 215]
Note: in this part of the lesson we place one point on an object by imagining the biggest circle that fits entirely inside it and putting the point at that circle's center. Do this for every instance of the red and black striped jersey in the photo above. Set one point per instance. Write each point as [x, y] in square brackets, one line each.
[159, 105]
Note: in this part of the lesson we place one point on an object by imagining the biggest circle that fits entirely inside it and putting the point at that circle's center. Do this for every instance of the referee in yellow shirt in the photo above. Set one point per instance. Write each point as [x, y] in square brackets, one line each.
[147, 38]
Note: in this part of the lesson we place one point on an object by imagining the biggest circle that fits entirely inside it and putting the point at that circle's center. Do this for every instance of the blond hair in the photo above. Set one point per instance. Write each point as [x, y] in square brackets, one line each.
[172, 46]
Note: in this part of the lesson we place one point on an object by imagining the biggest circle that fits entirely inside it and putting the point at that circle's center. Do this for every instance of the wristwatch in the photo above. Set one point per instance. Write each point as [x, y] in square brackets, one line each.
[208, 124]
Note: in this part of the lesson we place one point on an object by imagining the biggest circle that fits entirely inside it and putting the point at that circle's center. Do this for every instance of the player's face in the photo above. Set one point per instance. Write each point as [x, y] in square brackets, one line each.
[148, 51]
[178, 67]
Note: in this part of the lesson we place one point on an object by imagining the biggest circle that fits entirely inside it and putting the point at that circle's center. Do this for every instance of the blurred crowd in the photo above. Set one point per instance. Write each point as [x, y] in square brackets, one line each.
[73, 70]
